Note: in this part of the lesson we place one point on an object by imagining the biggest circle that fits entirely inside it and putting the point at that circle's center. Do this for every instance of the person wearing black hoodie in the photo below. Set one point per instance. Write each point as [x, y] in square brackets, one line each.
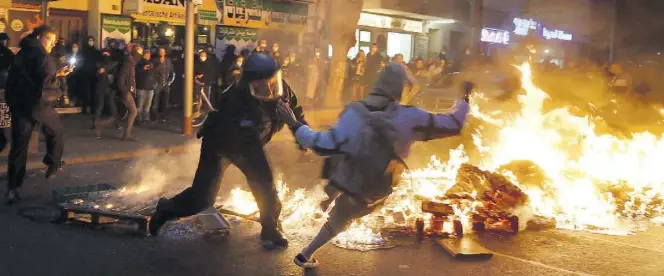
[226, 63]
[6, 61]
[32, 89]
[206, 74]
[164, 78]
[103, 93]
[125, 84]
[87, 81]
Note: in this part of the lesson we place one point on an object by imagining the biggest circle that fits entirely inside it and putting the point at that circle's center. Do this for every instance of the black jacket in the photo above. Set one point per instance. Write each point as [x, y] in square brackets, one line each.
[241, 121]
[6, 58]
[91, 57]
[109, 66]
[32, 77]
[163, 71]
[125, 80]
[145, 75]
[209, 70]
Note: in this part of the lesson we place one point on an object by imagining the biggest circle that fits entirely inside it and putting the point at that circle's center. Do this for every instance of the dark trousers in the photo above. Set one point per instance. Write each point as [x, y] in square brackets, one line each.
[104, 100]
[23, 123]
[160, 101]
[86, 85]
[207, 182]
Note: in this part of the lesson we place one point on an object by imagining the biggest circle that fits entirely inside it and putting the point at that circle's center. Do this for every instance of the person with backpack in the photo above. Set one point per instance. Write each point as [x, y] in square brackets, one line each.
[372, 137]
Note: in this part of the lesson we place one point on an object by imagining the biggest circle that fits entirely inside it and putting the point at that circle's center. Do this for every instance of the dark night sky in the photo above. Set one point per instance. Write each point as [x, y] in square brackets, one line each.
[640, 26]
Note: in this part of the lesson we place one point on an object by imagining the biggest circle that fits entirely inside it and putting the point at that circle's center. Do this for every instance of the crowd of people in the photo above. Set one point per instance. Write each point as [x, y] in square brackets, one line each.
[364, 68]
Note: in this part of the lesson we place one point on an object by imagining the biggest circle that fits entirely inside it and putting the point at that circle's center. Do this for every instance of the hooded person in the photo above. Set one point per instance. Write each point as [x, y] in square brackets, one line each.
[355, 191]
[234, 134]
[227, 62]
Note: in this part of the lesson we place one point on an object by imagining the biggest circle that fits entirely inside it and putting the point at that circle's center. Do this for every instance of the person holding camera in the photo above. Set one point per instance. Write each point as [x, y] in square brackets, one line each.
[32, 90]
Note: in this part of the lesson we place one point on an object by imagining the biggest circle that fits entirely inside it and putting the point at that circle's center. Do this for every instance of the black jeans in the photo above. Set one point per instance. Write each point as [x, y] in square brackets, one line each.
[23, 123]
[86, 84]
[207, 181]
[105, 98]
[160, 101]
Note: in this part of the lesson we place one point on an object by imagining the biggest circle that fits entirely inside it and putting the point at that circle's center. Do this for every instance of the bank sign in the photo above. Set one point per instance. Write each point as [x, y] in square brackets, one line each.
[523, 27]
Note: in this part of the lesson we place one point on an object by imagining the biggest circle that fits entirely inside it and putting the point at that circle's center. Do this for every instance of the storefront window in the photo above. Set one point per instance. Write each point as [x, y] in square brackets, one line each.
[399, 43]
[362, 42]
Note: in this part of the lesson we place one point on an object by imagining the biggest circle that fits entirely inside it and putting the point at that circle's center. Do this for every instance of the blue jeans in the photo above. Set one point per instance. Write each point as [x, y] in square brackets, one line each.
[143, 103]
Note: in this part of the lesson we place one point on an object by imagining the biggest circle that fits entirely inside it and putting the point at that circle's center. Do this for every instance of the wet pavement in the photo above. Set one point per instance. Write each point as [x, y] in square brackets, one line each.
[37, 248]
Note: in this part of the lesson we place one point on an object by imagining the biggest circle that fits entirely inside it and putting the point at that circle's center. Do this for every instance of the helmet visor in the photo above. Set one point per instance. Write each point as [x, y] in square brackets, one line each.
[268, 89]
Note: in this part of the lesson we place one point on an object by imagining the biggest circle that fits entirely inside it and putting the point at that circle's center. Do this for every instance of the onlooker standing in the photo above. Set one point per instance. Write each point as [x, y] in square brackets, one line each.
[275, 53]
[74, 60]
[145, 85]
[125, 82]
[206, 73]
[164, 79]
[226, 63]
[373, 63]
[177, 58]
[262, 46]
[88, 75]
[104, 95]
[6, 61]
[32, 88]
[314, 76]
[357, 70]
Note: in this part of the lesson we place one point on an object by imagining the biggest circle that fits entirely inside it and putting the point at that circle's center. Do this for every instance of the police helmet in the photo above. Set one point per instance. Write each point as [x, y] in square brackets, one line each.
[263, 75]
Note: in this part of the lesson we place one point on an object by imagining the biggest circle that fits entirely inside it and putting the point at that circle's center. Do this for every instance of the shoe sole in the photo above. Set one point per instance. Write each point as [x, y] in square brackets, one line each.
[270, 245]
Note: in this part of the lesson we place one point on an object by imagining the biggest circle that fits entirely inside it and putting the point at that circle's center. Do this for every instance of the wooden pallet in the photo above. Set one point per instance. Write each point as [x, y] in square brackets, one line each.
[76, 213]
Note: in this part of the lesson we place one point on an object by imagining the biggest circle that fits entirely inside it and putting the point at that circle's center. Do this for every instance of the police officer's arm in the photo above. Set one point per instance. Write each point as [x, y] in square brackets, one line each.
[295, 106]
[429, 126]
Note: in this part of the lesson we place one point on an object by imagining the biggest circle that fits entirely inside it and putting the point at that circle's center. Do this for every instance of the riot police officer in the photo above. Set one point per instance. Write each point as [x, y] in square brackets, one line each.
[245, 121]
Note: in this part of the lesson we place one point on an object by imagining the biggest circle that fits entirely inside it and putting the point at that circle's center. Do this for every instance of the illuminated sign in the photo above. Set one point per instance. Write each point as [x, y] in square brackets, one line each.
[386, 22]
[495, 36]
[523, 27]
[556, 34]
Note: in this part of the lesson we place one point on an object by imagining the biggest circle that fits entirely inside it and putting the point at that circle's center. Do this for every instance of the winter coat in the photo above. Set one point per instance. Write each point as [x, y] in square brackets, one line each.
[209, 70]
[145, 75]
[32, 78]
[126, 76]
[163, 71]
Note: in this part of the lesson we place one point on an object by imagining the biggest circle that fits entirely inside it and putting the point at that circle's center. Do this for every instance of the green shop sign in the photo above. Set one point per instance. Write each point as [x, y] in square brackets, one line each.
[112, 23]
[237, 33]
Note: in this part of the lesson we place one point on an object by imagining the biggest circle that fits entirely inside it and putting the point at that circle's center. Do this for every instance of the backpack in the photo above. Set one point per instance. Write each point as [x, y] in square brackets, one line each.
[373, 167]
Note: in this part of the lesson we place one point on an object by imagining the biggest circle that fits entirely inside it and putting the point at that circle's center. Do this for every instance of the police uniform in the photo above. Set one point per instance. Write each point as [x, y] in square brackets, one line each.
[236, 134]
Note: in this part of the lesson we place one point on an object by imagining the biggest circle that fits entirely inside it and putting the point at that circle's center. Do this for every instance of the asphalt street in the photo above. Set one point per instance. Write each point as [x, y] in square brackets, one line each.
[37, 248]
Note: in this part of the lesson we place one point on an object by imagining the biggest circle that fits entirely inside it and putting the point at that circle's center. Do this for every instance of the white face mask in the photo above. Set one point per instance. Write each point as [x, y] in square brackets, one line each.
[203, 59]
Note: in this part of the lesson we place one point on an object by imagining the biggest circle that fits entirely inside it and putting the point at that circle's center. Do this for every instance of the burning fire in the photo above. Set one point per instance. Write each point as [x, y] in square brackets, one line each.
[592, 182]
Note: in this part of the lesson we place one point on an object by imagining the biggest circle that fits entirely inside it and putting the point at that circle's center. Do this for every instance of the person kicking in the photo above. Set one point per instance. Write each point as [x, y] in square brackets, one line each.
[373, 136]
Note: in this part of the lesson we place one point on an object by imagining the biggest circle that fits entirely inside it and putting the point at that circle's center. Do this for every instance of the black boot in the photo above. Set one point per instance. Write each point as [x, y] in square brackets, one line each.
[163, 214]
[271, 239]
[54, 169]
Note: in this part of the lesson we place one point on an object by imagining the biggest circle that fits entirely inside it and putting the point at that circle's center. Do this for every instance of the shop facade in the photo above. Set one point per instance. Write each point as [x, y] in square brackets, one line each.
[161, 22]
[243, 23]
[393, 35]
[67, 17]
[526, 38]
